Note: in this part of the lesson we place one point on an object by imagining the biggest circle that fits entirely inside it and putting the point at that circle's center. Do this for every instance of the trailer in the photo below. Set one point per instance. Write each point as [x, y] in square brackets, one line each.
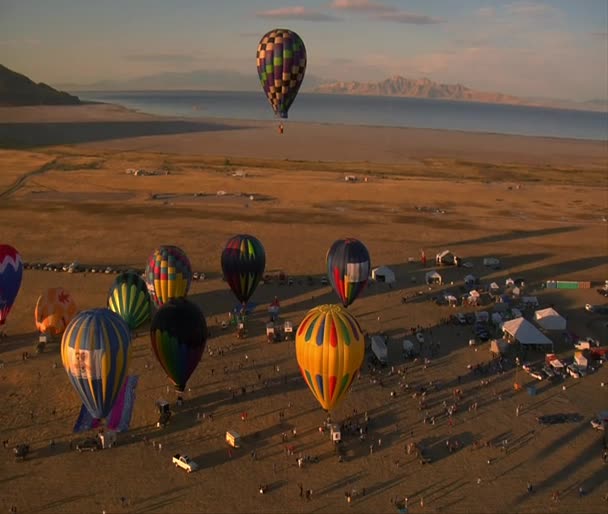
[379, 348]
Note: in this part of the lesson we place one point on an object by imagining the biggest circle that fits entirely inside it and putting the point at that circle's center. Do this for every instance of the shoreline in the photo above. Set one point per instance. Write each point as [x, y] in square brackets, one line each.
[113, 126]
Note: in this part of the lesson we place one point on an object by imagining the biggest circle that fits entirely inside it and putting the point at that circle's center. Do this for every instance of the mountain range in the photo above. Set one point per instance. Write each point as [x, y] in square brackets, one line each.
[426, 88]
[17, 89]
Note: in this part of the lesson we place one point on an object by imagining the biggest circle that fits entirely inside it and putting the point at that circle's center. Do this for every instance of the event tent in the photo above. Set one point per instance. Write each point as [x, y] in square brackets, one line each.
[550, 319]
[524, 332]
[432, 277]
[383, 274]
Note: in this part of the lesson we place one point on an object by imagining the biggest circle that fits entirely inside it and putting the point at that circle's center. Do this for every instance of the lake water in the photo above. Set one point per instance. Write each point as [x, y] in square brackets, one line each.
[368, 110]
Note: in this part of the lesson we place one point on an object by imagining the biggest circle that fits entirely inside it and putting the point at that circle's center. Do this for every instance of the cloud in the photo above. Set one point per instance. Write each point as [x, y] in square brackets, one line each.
[530, 9]
[296, 13]
[600, 35]
[12, 43]
[383, 12]
[407, 17]
[486, 12]
[362, 6]
[163, 58]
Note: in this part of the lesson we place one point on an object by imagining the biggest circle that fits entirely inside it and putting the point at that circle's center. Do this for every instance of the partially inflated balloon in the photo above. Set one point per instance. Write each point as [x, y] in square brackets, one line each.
[348, 266]
[129, 298]
[281, 62]
[54, 311]
[168, 274]
[243, 264]
[11, 273]
[179, 334]
[95, 354]
[330, 347]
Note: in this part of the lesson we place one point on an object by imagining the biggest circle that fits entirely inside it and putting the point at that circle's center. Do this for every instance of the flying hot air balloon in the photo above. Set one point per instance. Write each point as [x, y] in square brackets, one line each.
[348, 266]
[178, 334]
[129, 298]
[281, 63]
[168, 274]
[243, 264]
[330, 347]
[95, 351]
[54, 311]
[11, 273]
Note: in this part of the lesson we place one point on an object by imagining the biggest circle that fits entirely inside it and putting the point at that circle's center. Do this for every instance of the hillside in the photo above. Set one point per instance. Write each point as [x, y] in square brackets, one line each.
[17, 89]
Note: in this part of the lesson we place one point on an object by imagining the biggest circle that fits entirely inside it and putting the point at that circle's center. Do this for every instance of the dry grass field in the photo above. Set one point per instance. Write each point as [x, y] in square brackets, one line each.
[536, 204]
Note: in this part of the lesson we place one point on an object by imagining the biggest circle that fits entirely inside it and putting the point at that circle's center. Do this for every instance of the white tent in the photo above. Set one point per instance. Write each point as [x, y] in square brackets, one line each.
[580, 360]
[494, 287]
[550, 319]
[509, 282]
[432, 277]
[445, 257]
[469, 279]
[522, 331]
[383, 274]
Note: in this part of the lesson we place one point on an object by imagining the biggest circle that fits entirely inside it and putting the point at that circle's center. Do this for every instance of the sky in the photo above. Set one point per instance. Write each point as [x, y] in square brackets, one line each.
[553, 48]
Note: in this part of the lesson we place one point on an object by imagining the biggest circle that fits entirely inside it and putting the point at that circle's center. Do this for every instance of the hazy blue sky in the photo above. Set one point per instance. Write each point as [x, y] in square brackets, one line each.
[555, 48]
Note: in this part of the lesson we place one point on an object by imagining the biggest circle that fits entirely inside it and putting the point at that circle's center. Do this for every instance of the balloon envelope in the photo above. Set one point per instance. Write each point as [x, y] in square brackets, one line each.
[243, 264]
[129, 298]
[281, 62]
[54, 311]
[179, 334]
[95, 354]
[11, 273]
[330, 347]
[168, 274]
[348, 266]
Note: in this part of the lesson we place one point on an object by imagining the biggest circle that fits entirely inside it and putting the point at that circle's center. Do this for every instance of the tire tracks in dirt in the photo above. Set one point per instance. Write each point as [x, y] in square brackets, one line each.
[22, 180]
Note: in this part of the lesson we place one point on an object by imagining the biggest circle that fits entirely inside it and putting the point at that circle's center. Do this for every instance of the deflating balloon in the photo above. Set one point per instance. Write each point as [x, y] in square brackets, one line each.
[281, 62]
[168, 274]
[95, 354]
[54, 311]
[179, 334]
[129, 298]
[11, 273]
[243, 264]
[329, 348]
[348, 266]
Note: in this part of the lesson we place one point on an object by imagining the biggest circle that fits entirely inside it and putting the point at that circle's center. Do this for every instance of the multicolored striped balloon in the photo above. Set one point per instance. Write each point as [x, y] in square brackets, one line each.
[348, 267]
[54, 311]
[178, 335]
[330, 347]
[281, 63]
[95, 351]
[11, 273]
[243, 264]
[168, 274]
[129, 298]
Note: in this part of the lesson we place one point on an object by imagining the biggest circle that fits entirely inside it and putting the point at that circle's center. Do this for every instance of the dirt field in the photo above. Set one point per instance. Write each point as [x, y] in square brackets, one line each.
[536, 204]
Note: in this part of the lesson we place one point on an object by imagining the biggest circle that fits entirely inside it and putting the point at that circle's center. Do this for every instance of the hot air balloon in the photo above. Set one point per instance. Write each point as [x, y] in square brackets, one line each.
[54, 311]
[11, 273]
[243, 263]
[95, 354]
[281, 62]
[179, 334]
[348, 266]
[168, 274]
[129, 298]
[330, 347]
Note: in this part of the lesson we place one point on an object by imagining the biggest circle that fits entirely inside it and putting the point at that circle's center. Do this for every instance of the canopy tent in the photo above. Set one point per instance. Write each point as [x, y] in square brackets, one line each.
[451, 299]
[499, 346]
[494, 287]
[522, 331]
[470, 279]
[550, 319]
[509, 282]
[432, 277]
[383, 274]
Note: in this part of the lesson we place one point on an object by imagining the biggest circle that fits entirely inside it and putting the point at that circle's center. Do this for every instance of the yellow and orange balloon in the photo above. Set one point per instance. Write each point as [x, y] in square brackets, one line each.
[330, 347]
[55, 309]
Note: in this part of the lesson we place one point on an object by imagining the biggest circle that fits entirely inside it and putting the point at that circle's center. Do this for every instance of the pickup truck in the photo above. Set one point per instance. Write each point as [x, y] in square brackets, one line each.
[184, 462]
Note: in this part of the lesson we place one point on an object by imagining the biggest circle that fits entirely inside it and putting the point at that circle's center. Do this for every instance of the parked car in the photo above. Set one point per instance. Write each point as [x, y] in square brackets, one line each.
[88, 445]
[184, 462]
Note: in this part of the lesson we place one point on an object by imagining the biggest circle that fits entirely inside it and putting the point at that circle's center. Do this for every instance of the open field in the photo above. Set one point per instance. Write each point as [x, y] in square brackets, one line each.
[535, 203]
